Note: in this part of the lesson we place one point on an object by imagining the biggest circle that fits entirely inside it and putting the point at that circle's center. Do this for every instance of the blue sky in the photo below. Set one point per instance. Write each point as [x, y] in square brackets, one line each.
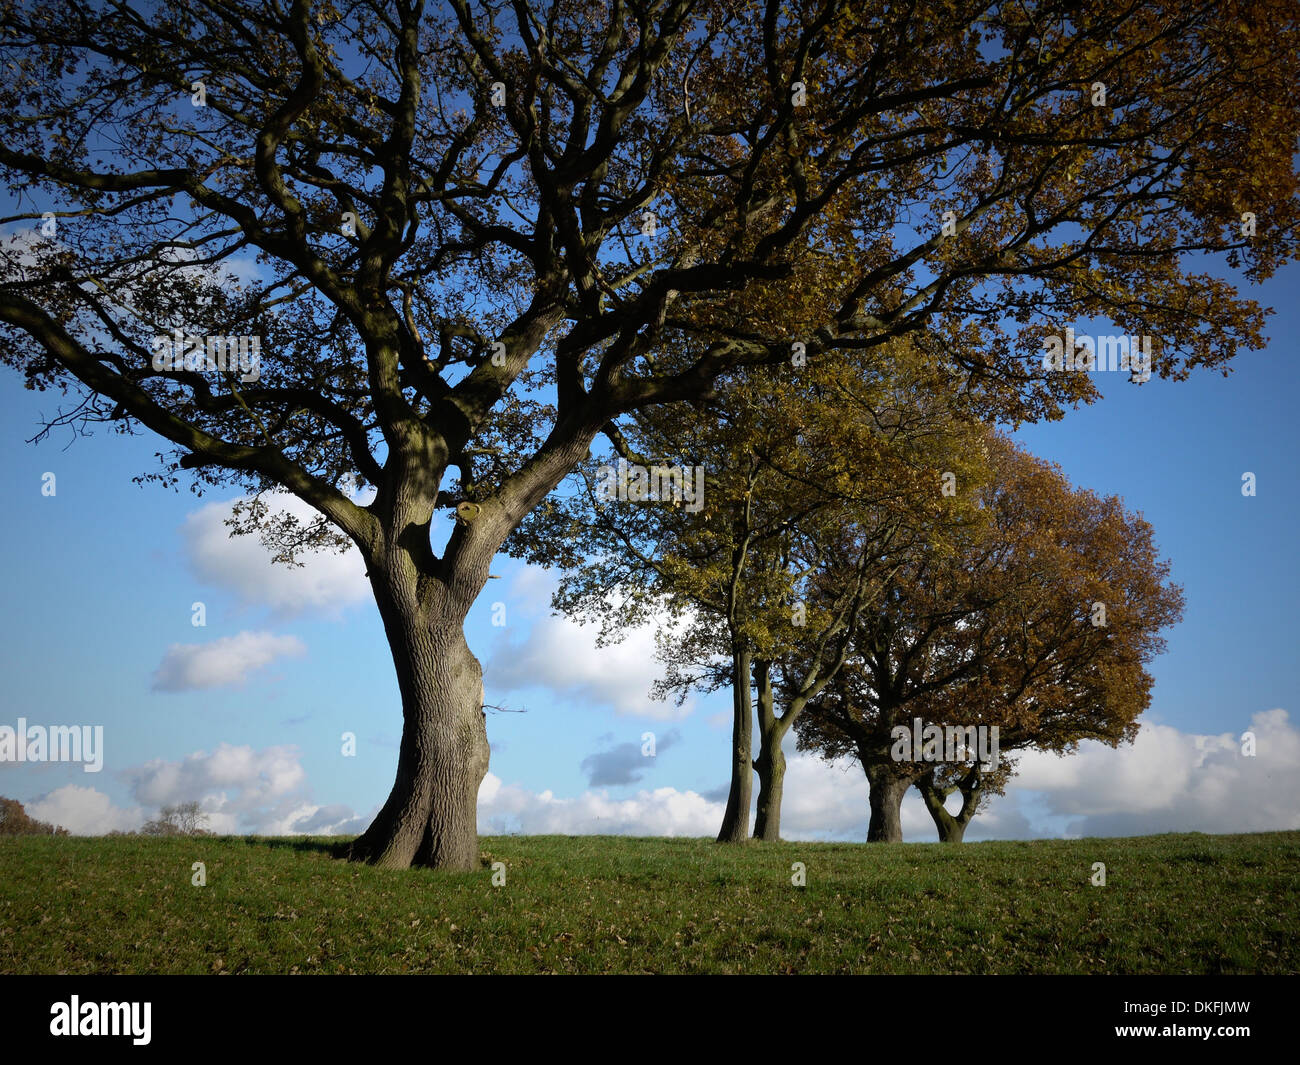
[246, 713]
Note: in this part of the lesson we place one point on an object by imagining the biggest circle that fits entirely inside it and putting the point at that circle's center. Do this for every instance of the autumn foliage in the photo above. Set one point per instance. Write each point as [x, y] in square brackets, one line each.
[1039, 616]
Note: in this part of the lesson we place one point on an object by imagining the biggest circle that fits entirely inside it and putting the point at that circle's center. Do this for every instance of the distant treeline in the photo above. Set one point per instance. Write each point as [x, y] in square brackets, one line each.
[186, 819]
[14, 821]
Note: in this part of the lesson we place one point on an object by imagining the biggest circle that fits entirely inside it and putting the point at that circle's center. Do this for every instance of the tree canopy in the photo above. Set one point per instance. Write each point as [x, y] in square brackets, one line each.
[1039, 619]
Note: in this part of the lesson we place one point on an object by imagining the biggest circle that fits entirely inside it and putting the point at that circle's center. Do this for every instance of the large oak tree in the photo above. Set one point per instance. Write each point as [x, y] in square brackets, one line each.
[460, 230]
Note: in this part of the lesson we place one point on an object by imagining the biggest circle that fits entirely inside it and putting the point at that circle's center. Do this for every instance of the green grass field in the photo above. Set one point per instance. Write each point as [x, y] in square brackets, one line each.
[602, 904]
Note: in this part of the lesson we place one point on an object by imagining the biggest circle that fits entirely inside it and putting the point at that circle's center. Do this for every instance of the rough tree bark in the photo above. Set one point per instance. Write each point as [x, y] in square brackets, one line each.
[430, 815]
[889, 783]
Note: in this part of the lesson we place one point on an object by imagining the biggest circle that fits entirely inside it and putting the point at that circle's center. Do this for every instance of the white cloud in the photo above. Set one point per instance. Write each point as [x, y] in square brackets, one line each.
[1204, 784]
[326, 582]
[242, 791]
[830, 801]
[822, 802]
[231, 779]
[1172, 781]
[22, 249]
[531, 588]
[25, 249]
[562, 657]
[1167, 781]
[223, 662]
[504, 809]
[308, 819]
[84, 811]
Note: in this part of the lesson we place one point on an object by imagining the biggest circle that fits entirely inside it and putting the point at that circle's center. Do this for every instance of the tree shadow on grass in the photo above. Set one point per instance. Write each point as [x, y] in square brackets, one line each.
[333, 846]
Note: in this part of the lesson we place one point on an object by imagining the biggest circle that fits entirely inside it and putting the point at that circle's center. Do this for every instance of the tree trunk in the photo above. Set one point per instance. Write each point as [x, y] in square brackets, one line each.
[888, 787]
[771, 778]
[951, 827]
[954, 833]
[430, 817]
[770, 763]
[735, 822]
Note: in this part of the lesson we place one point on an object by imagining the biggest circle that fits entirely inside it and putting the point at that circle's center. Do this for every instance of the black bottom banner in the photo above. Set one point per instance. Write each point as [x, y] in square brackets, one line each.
[77, 1016]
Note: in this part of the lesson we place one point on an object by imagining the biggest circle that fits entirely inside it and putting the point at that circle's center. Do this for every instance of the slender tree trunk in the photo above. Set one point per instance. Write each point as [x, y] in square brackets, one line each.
[888, 786]
[771, 779]
[735, 822]
[430, 817]
[770, 762]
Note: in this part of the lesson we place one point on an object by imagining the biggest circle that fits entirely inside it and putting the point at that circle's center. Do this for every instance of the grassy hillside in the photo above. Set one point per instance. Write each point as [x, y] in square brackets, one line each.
[1172, 904]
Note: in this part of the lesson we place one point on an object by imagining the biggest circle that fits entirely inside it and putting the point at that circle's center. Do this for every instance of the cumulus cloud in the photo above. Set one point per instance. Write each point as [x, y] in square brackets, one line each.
[264, 792]
[531, 588]
[238, 778]
[333, 820]
[1172, 781]
[829, 801]
[222, 663]
[1168, 781]
[561, 656]
[1002, 819]
[243, 791]
[624, 763]
[85, 811]
[22, 249]
[505, 809]
[326, 582]
[823, 801]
